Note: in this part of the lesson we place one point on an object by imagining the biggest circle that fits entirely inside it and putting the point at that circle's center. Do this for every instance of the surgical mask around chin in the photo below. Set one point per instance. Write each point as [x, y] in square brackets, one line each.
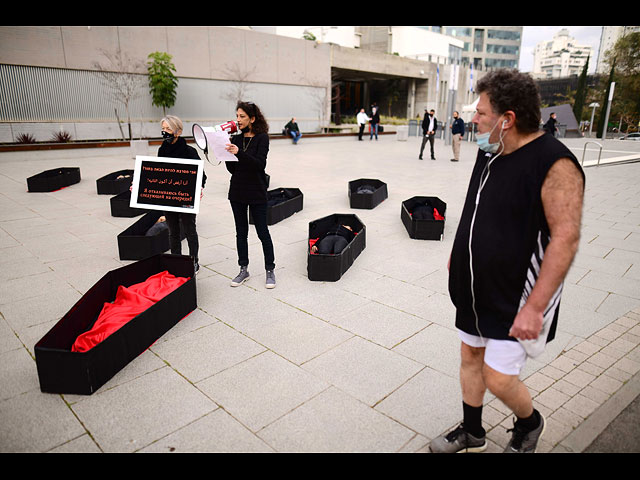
[482, 139]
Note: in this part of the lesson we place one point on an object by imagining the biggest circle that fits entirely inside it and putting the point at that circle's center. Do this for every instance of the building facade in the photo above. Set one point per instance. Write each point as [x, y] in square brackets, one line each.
[609, 37]
[560, 57]
[487, 48]
[50, 81]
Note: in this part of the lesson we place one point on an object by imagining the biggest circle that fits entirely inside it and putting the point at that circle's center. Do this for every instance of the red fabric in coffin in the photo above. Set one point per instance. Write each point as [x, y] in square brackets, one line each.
[129, 302]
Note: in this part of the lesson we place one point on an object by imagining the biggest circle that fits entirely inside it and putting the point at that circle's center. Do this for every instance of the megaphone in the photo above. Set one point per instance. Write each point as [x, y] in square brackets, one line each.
[201, 133]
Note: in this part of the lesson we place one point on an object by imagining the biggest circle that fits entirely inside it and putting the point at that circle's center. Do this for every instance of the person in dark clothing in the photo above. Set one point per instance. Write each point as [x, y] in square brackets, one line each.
[334, 240]
[429, 127]
[516, 239]
[457, 132]
[374, 121]
[175, 146]
[293, 130]
[248, 188]
[550, 126]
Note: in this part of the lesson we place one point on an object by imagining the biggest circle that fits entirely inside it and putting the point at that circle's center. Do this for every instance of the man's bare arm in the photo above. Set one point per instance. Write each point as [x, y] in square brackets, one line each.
[562, 196]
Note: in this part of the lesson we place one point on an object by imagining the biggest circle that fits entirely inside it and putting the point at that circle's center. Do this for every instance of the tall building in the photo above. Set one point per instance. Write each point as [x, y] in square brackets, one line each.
[487, 47]
[560, 57]
[609, 37]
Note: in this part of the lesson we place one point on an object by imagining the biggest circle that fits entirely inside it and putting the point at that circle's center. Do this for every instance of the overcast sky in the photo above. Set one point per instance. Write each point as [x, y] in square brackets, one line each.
[531, 36]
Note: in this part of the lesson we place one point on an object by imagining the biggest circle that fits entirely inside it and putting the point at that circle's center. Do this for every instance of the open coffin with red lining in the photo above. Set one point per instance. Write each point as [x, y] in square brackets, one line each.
[61, 370]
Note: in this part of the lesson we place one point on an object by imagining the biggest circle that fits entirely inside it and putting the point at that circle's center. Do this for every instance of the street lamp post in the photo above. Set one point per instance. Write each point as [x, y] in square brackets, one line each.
[594, 105]
[606, 117]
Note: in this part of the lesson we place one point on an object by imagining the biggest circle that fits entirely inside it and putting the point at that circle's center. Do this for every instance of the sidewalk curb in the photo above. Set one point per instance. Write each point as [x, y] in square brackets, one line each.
[585, 433]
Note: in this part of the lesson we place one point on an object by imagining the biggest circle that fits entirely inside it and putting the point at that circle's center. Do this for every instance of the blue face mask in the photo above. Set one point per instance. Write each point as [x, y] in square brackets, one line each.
[482, 139]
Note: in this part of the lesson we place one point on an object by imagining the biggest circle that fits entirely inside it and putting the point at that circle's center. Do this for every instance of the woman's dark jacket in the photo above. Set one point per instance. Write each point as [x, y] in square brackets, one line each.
[248, 179]
[180, 149]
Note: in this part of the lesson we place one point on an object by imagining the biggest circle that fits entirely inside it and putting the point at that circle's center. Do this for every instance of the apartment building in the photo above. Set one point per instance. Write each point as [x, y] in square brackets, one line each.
[560, 57]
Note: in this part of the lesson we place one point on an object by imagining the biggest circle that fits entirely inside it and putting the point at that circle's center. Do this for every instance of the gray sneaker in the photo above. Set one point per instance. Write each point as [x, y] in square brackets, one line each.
[458, 441]
[271, 279]
[241, 278]
[522, 441]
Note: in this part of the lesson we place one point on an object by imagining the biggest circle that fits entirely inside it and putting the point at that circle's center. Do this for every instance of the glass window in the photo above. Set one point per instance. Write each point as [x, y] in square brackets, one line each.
[503, 49]
[458, 31]
[503, 34]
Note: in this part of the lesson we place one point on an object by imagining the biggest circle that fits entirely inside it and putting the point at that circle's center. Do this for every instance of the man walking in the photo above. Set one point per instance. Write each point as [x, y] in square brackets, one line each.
[516, 239]
[457, 132]
[429, 127]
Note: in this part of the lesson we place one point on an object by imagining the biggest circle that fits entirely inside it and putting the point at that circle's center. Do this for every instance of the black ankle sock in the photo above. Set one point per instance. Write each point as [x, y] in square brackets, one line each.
[473, 420]
[531, 422]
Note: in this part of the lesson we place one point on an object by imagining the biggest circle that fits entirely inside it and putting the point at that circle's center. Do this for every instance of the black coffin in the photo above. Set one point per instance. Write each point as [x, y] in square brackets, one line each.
[367, 193]
[135, 244]
[62, 371]
[281, 204]
[330, 268]
[423, 229]
[112, 185]
[55, 179]
[120, 206]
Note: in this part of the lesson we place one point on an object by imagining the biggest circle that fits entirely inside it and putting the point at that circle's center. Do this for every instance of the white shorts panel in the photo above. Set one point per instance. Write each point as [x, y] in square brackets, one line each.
[504, 356]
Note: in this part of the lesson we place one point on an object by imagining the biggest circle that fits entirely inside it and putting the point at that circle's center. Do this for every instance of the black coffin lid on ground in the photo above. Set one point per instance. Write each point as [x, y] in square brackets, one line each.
[367, 200]
[134, 244]
[330, 268]
[284, 209]
[111, 185]
[51, 180]
[423, 229]
[62, 371]
[120, 206]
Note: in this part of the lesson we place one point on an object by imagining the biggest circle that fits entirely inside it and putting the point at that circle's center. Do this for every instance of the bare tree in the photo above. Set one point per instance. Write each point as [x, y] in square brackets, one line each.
[321, 100]
[239, 82]
[125, 78]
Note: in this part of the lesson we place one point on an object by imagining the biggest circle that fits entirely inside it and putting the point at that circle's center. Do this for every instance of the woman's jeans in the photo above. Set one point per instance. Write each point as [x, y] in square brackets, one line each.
[188, 221]
[241, 217]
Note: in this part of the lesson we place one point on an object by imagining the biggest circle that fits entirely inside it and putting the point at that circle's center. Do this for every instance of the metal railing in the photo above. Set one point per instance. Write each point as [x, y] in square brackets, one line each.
[584, 150]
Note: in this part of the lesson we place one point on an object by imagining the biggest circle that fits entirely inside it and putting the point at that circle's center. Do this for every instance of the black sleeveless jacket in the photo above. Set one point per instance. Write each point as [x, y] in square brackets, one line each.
[508, 239]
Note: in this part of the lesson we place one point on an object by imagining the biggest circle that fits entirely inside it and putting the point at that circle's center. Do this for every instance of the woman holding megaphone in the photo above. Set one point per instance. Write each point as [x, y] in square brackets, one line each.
[248, 188]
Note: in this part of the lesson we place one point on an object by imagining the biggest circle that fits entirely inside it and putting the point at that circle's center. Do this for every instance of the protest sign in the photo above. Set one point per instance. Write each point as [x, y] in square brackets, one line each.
[169, 184]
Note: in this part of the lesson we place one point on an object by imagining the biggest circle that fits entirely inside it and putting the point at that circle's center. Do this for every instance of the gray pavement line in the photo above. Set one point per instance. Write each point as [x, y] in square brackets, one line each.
[585, 433]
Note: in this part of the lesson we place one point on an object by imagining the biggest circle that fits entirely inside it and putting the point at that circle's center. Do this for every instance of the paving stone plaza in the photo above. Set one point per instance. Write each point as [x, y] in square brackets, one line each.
[365, 364]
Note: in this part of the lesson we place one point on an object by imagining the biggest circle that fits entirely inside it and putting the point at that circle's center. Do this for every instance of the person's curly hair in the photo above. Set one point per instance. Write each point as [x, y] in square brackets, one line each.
[512, 90]
[260, 124]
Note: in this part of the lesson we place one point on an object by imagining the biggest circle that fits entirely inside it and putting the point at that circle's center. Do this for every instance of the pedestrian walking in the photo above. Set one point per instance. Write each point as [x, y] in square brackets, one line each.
[516, 239]
[429, 127]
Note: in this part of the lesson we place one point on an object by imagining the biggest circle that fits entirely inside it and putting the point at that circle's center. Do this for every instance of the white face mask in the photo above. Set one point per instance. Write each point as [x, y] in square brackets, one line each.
[482, 139]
